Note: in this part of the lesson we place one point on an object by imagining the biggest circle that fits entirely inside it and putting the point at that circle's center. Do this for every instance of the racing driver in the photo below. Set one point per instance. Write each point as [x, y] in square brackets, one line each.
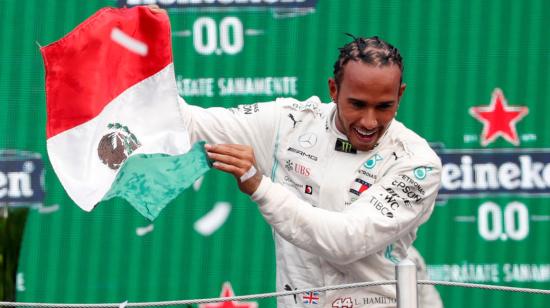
[344, 185]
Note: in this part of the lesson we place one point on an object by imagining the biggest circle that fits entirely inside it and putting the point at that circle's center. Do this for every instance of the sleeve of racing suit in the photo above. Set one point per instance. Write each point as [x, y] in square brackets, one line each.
[388, 210]
[253, 125]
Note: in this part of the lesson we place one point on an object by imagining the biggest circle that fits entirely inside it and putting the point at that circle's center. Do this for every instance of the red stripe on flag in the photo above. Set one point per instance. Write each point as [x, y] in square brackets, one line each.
[86, 69]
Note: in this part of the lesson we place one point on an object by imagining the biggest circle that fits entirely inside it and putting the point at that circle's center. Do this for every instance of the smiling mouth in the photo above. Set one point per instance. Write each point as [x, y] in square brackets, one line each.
[365, 134]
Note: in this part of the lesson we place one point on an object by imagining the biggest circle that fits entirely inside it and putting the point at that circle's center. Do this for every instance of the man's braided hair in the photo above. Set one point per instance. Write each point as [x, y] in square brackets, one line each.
[372, 50]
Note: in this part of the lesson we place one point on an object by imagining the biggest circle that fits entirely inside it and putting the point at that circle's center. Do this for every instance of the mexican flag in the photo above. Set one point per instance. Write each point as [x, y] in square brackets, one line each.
[113, 121]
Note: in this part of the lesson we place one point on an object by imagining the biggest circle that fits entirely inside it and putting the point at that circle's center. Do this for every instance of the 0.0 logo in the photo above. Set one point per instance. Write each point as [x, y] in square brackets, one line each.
[494, 223]
[225, 38]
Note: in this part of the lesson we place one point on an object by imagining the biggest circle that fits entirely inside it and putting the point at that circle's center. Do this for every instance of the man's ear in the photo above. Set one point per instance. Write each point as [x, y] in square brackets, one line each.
[333, 89]
[401, 90]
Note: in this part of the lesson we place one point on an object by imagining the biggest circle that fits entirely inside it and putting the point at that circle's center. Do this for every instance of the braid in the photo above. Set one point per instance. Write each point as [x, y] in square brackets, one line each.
[370, 50]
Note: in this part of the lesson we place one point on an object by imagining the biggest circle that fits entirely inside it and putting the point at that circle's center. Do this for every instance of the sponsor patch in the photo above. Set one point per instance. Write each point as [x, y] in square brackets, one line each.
[408, 188]
[246, 109]
[421, 172]
[371, 162]
[367, 174]
[290, 182]
[297, 168]
[302, 153]
[342, 302]
[307, 140]
[308, 190]
[289, 288]
[293, 119]
[381, 207]
[344, 146]
[307, 106]
[392, 196]
[359, 186]
[311, 297]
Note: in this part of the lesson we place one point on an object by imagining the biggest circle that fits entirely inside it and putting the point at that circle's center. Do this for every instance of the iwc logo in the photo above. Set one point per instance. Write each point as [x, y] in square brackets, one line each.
[117, 145]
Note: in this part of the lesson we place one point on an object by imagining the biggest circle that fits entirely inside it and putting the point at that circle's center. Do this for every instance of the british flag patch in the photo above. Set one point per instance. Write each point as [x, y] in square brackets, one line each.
[310, 297]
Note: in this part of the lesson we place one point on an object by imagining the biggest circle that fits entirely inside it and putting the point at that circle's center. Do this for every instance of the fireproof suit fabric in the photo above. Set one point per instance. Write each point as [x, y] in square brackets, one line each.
[338, 215]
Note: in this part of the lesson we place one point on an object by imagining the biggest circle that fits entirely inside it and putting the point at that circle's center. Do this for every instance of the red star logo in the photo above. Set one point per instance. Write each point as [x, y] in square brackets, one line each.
[227, 291]
[499, 119]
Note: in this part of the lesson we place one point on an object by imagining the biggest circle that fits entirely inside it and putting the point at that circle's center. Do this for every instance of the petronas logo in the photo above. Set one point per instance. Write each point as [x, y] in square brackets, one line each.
[421, 172]
[371, 163]
[117, 145]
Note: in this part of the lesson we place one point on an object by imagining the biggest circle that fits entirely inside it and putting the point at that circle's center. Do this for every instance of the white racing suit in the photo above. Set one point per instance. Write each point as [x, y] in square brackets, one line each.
[339, 215]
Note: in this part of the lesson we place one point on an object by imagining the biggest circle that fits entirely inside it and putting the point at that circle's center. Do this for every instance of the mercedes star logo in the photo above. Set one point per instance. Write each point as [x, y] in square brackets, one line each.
[307, 140]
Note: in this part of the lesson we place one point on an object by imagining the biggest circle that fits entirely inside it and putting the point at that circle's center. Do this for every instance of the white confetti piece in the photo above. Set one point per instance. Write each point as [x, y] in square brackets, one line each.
[129, 42]
[214, 219]
[144, 230]
[47, 209]
[198, 183]
[20, 282]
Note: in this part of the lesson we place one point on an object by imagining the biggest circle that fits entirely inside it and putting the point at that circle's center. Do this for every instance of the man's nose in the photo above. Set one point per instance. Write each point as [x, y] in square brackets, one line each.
[369, 120]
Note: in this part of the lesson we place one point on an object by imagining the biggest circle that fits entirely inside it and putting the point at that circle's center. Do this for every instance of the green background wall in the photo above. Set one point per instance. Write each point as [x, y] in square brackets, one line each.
[456, 53]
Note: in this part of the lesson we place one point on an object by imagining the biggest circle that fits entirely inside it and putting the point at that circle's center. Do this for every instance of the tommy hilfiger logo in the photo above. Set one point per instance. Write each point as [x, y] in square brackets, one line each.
[359, 186]
[344, 146]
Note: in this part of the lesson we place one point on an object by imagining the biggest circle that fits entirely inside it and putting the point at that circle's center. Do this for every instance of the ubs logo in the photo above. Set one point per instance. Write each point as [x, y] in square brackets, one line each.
[297, 168]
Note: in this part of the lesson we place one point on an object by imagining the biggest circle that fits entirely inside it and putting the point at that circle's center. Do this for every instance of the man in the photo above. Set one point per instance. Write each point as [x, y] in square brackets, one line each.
[344, 185]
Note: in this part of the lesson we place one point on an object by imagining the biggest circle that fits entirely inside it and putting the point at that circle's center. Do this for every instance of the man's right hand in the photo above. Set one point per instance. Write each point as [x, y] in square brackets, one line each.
[156, 9]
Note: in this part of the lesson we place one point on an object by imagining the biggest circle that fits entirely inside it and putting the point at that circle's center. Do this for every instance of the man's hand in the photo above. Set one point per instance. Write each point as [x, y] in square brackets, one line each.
[239, 160]
[156, 9]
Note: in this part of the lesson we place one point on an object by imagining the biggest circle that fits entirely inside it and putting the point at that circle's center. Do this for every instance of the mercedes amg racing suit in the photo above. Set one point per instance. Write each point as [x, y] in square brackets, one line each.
[339, 215]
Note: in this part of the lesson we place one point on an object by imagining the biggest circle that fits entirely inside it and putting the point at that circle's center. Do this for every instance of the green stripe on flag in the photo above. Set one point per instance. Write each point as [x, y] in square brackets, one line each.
[150, 181]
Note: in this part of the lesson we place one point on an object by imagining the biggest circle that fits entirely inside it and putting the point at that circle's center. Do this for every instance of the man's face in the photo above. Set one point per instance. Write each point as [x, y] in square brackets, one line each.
[366, 101]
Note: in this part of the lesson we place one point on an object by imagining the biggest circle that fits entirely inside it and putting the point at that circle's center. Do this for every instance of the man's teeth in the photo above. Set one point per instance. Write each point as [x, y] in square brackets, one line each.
[364, 132]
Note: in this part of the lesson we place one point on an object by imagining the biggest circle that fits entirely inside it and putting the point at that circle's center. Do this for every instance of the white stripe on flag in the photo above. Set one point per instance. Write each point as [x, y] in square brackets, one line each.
[129, 42]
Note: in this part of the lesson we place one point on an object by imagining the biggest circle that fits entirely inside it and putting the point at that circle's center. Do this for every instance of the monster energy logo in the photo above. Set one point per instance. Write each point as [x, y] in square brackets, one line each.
[344, 146]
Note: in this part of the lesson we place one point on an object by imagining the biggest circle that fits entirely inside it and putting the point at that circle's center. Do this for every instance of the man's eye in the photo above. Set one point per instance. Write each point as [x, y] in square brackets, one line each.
[357, 104]
[385, 106]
